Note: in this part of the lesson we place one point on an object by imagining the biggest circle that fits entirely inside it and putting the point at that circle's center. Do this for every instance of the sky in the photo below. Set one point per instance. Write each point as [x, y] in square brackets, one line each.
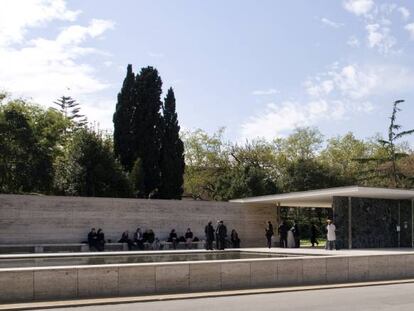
[258, 68]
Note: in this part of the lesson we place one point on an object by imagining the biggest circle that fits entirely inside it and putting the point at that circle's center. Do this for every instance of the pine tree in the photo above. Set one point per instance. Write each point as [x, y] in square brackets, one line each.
[70, 108]
[124, 146]
[172, 152]
[147, 127]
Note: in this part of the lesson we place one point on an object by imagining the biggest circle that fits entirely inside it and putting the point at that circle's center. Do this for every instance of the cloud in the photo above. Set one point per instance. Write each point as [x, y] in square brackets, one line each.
[359, 7]
[156, 55]
[353, 41]
[17, 16]
[331, 23]
[278, 119]
[380, 37]
[405, 13]
[410, 29]
[265, 92]
[378, 20]
[337, 94]
[45, 68]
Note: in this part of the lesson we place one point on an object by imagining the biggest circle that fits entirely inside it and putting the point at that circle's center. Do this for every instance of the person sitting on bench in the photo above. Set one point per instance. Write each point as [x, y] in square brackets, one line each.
[173, 238]
[125, 239]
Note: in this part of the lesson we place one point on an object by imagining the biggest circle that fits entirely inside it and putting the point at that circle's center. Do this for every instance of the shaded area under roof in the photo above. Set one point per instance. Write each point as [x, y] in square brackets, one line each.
[323, 197]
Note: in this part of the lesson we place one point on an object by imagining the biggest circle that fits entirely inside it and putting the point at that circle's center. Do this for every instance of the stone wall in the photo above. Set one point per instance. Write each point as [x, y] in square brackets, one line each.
[374, 222]
[75, 282]
[29, 219]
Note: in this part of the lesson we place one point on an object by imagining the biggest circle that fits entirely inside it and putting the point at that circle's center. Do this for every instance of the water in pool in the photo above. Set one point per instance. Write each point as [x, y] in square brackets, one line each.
[84, 260]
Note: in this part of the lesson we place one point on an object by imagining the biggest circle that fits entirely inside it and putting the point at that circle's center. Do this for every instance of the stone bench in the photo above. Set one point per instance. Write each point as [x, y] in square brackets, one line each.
[182, 245]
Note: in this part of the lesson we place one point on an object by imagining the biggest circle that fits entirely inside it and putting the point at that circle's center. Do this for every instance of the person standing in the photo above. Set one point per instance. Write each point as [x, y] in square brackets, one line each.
[283, 234]
[92, 239]
[235, 241]
[314, 234]
[221, 232]
[100, 240]
[296, 234]
[330, 236]
[188, 238]
[269, 234]
[209, 231]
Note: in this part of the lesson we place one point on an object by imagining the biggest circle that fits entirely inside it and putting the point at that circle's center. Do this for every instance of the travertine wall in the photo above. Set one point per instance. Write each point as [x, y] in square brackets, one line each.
[74, 282]
[29, 219]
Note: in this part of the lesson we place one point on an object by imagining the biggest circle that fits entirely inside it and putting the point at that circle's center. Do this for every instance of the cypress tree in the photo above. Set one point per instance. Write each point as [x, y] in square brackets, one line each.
[124, 146]
[172, 152]
[147, 128]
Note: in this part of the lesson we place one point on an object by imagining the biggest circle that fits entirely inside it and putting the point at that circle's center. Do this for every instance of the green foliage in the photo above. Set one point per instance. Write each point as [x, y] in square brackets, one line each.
[386, 168]
[137, 178]
[147, 127]
[206, 157]
[340, 154]
[243, 182]
[172, 152]
[308, 174]
[124, 145]
[89, 168]
[303, 143]
[25, 164]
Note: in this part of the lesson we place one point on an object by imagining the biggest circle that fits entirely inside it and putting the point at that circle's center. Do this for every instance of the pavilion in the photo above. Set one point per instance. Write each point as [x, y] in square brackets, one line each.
[365, 217]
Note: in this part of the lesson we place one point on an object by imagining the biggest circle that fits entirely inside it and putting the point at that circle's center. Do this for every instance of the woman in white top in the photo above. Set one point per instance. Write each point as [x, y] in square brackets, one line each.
[330, 236]
[291, 239]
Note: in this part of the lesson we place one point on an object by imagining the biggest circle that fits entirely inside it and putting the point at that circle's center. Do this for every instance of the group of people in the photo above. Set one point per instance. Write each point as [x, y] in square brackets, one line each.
[290, 237]
[188, 238]
[219, 235]
[96, 240]
[139, 238]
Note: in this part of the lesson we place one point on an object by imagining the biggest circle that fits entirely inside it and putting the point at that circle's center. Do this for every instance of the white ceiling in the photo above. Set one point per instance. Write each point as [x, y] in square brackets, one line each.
[323, 197]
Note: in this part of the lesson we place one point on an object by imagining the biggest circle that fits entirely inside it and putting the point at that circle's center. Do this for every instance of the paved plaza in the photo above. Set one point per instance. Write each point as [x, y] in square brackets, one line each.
[387, 297]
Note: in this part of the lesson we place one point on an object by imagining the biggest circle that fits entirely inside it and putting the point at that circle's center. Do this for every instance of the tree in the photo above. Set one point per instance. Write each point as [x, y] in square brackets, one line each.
[137, 179]
[70, 109]
[303, 143]
[172, 152]
[206, 157]
[124, 146]
[24, 165]
[308, 174]
[340, 154]
[243, 181]
[89, 168]
[147, 127]
[388, 154]
[394, 134]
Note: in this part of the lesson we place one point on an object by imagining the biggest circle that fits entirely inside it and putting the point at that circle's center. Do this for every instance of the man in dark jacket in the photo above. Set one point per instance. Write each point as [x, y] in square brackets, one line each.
[93, 240]
[283, 232]
[296, 234]
[209, 231]
[269, 233]
[221, 232]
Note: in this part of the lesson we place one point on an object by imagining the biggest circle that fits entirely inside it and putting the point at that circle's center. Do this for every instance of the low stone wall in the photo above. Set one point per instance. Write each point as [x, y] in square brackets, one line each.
[25, 284]
[31, 219]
